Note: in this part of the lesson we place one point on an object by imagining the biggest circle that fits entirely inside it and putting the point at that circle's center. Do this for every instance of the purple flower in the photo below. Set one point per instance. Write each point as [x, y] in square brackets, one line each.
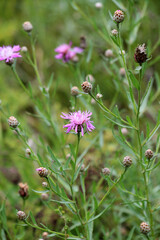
[78, 121]
[66, 53]
[7, 53]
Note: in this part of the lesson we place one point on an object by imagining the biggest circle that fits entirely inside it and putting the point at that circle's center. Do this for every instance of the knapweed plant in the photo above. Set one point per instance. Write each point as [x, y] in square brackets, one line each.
[90, 163]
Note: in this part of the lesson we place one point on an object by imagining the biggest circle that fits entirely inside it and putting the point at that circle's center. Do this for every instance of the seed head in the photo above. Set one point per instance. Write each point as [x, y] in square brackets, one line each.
[21, 215]
[149, 154]
[74, 91]
[44, 184]
[27, 26]
[24, 49]
[43, 172]
[127, 161]
[13, 122]
[99, 95]
[122, 72]
[28, 152]
[108, 53]
[140, 54]
[44, 196]
[90, 78]
[114, 32]
[106, 171]
[45, 235]
[23, 190]
[118, 16]
[98, 5]
[144, 228]
[86, 86]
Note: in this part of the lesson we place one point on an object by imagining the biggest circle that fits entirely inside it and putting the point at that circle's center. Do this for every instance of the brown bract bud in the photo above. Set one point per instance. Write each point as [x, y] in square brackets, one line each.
[106, 171]
[140, 54]
[13, 122]
[118, 16]
[27, 26]
[87, 87]
[21, 215]
[74, 91]
[23, 190]
[149, 154]
[43, 172]
[144, 228]
[44, 196]
[127, 161]
[44, 184]
[83, 43]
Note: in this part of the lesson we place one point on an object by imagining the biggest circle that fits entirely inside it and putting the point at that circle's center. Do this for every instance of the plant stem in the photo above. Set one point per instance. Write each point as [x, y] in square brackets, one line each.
[19, 80]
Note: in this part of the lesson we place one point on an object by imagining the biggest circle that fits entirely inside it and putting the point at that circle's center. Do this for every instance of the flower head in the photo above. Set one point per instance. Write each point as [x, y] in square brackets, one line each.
[7, 53]
[43, 172]
[140, 54]
[78, 121]
[66, 53]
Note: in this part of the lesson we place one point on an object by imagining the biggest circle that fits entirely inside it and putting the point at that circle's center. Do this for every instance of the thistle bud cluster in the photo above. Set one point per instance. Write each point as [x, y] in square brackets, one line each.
[144, 228]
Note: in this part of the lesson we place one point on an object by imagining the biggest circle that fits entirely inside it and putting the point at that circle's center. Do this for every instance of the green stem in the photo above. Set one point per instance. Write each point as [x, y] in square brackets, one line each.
[20, 81]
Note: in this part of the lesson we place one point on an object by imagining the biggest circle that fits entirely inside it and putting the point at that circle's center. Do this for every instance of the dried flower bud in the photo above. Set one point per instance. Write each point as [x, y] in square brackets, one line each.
[118, 16]
[21, 215]
[99, 95]
[108, 53]
[124, 131]
[74, 91]
[90, 78]
[83, 43]
[44, 196]
[98, 5]
[114, 32]
[140, 54]
[23, 190]
[13, 122]
[149, 154]
[122, 72]
[144, 228]
[44, 184]
[28, 152]
[45, 235]
[24, 49]
[43, 172]
[86, 86]
[127, 161]
[106, 171]
[27, 26]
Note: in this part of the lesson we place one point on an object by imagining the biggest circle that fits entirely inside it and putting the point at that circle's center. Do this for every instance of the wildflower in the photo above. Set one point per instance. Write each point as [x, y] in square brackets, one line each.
[144, 228]
[108, 53]
[74, 91]
[140, 54]
[43, 172]
[66, 53]
[98, 5]
[86, 86]
[149, 154]
[106, 171]
[23, 191]
[114, 32]
[27, 26]
[127, 161]
[21, 215]
[118, 16]
[13, 122]
[7, 53]
[78, 121]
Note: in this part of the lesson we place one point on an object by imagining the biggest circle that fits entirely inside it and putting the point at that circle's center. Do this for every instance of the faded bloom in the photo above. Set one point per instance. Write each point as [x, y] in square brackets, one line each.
[43, 172]
[98, 5]
[118, 16]
[78, 121]
[13, 122]
[23, 190]
[90, 78]
[21, 215]
[86, 86]
[27, 26]
[144, 228]
[127, 161]
[108, 53]
[106, 171]
[140, 54]
[7, 53]
[44, 196]
[149, 154]
[114, 32]
[66, 53]
[74, 91]
[99, 95]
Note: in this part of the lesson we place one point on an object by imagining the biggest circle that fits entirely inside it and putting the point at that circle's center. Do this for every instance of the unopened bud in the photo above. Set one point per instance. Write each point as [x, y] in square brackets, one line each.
[98, 5]
[24, 49]
[149, 154]
[140, 54]
[21, 215]
[28, 152]
[124, 131]
[45, 235]
[43, 172]
[99, 95]
[23, 190]
[83, 43]
[10, 62]
[108, 53]
[106, 171]
[118, 16]
[127, 161]
[86, 86]
[13, 122]
[122, 72]
[44, 184]
[27, 26]
[144, 228]
[44, 196]
[114, 32]
[74, 91]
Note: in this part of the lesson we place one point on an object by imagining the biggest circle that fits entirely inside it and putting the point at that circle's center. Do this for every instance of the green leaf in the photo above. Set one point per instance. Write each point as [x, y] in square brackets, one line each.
[130, 237]
[146, 96]
[32, 218]
[117, 123]
[134, 80]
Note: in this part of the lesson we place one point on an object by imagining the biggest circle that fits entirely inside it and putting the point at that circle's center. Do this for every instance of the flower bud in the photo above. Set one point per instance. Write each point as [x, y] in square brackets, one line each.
[140, 54]
[99, 95]
[24, 49]
[127, 161]
[44, 184]
[23, 190]
[74, 91]
[82, 167]
[27, 26]
[124, 131]
[90, 78]
[28, 152]
[45, 235]
[114, 32]
[43, 172]
[118, 16]
[108, 53]
[106, 171]
[21, 215]
[86, 86]
[98, 5]
[83, 43]
[10, 62]
[68, 156]
[13, 122]
[122, 72]
[144, 228]
[44, 196]
[149, 154]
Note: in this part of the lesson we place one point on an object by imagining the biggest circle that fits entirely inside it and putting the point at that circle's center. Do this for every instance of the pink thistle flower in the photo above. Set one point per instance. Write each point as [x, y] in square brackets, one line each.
[78, 121]
[66, 53]
[7, 53]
